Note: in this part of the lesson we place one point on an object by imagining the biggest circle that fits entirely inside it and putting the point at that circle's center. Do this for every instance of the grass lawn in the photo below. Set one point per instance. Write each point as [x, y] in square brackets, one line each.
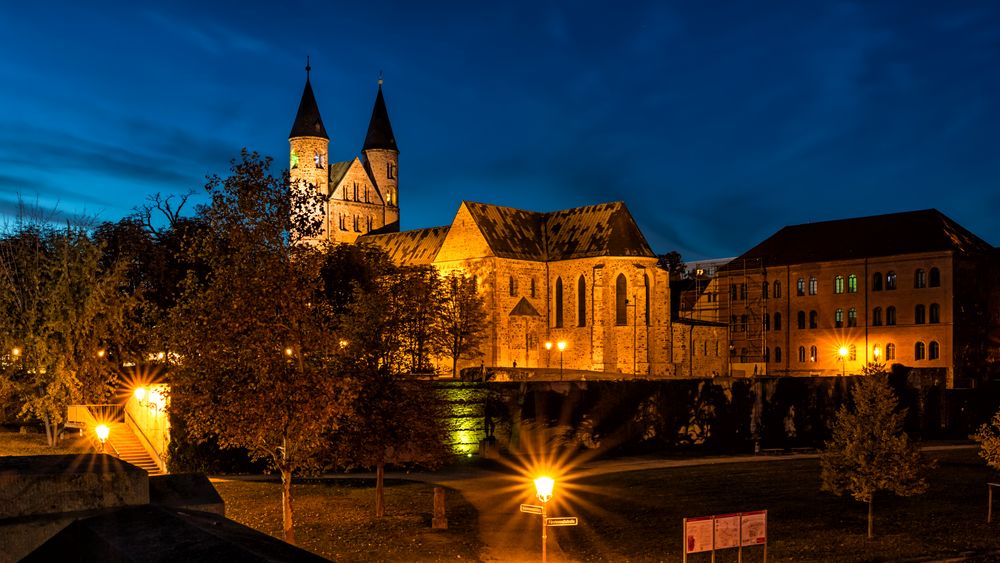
[335, 518]
[638, 516]
[13, 442]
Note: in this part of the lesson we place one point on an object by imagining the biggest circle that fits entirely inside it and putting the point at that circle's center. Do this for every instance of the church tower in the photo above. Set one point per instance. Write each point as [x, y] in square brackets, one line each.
[381, 158]
[309, 147]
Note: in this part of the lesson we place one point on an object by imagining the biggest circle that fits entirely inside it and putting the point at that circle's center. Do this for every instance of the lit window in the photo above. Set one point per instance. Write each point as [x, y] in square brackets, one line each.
[777, 289]
[877, 281]
[813, 286]
[890, 351]
[812, 353]
[295, 159]
[852, 283]
[877, 316]
[890, 316]
[777, 321]
[933, 351]
[838, 318]
[919, 279]
[935, 313]
[890, 281]
[800, 287]
[813, 319]
[918, 351]
[838, 284]
[852, 317]
[919, 315]
[935, 278]
[802, 354]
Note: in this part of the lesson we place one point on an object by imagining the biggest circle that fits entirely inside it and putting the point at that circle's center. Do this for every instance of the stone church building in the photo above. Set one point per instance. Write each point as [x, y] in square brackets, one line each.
[584, 278]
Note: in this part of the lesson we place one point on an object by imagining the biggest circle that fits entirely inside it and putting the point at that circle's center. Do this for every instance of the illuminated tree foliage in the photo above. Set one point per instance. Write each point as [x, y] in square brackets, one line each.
[988, 437]
[257, 355]
[463, 320]
[869, 452]
[61, 310]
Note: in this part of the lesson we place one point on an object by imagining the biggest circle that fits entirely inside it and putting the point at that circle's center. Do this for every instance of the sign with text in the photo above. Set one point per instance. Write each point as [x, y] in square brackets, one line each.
[754, 527]
[727, 531]
[531, 508]
[698, 534]
[561, 521]
[723, 531]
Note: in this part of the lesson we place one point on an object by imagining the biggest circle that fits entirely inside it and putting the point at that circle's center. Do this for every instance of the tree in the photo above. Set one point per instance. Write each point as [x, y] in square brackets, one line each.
[869, 452]
[420, 288]
[257, 364]
[464, 320]
[673, 263]
[61, 310]
[988, 437]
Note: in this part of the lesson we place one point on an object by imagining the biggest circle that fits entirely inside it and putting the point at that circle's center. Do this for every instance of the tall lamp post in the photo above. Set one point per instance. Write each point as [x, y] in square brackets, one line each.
[543, 489]
[843, 360]
[562, 347]
[102, 431]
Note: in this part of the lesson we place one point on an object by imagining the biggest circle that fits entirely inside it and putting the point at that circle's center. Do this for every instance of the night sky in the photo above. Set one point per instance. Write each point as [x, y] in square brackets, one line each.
[716, 123]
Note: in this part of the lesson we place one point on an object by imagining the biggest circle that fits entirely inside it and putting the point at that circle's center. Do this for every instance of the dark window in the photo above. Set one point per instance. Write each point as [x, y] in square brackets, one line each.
[733, 292]
[800, 287]
[890, 281]
[621, 301]
[777, 353]
[802, 319]
[764, 290]
[877, 281]
[852, 283]
[802, 354]
[890, 316]
[813, 319]
[935, 313]
[777, 289]
[743, 292]
[890, 351]
[919, 279]
[767, 354]
[838, 284]
[933, 351]
[513, 286]
[935, 278]
[838, 318]
[743, 323]
[559, 303]
[813, 286]
[767, 322]
[877, 316]
[919, 315]
[812, 354]
[777, 321]
[531, 287]
[852, 317]
[581, 302]
[645, 282]
[918, 351]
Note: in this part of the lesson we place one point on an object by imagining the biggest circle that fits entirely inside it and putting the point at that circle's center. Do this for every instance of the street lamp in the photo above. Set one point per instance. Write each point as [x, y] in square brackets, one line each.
[877, 352]
[543, 489]
[843, 359]
[102, 431]
[562, 347]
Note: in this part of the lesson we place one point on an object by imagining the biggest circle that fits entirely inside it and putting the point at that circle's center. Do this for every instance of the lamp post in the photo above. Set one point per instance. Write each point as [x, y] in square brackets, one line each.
[548, 353]
[843, 360]
[876, 352]
[543, 489]
[562, 347]
[102, 431]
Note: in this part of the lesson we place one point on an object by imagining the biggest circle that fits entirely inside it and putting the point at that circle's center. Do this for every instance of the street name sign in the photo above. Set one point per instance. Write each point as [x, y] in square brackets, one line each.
[531, 508]
[561, 521]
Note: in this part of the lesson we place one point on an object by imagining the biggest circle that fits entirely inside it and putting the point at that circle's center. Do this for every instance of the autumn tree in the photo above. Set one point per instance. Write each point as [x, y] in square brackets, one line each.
[988, 436]
[463, 319]
[869, 452]
[257, 364]
[61, 310]
[421, 289]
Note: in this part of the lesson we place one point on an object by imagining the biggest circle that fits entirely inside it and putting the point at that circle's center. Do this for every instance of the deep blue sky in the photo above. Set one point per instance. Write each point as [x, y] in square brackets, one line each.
[717, 123]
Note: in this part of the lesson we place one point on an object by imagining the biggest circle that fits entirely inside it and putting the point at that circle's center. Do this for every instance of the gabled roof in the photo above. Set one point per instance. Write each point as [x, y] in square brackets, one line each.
[418, 247]
[379, 129]
[909, 232]
[606, 229]
[337, 172]
[308, 123]
[524, 309]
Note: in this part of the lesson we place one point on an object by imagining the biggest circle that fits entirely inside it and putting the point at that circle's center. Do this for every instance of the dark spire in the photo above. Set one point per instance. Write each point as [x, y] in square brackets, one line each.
[308, 123]
[379, 129]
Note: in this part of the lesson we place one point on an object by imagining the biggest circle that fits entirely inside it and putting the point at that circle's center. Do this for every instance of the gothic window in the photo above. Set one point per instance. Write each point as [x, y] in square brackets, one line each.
[777, 289]
[919, 279]
[890, 351]
[777, 321]
[877, 281]
[813, 319]
[704, 348]
[366, 193]
[919, 315]
[318, 160]
[852, 317]
[581, 302]
[355, 191]
[838, 284]
[645, 282]
[852, 283]
[890, 316]
[369, 224]
[877, 316]
[390, 171]
[935, 313]
[890, 281]
[559, 303]
[532, 288]
[838, 318]
[813, 286]
[343, 222]
[357, 224]
[777, 354]
[935, 278]
[812, 354]
[621, 301]
[918, 351]
[801, 319]
[344, 193]
[802, 354]
[512, 283]
[933, 351]
[764, 290]
[800, 287]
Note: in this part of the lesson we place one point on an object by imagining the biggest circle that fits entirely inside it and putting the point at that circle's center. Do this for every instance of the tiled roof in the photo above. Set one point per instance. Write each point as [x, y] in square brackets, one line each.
[910, 232]
[410, 248]
[606, 229]
[379, 129]
[337, 172]
[308, 123]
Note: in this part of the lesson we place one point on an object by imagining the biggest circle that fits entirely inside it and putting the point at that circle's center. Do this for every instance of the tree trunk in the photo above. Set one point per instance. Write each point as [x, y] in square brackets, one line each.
[871, 499]
[454, 366]
[50, 434]
[380, 490]
[286, 506]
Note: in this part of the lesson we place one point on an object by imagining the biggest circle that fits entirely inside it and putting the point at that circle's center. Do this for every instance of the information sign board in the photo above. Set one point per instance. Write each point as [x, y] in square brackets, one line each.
[754, 527]
[727, 531]
[698, 534]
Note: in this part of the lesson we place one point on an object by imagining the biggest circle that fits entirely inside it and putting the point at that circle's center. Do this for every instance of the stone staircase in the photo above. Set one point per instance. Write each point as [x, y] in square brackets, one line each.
[125, 444]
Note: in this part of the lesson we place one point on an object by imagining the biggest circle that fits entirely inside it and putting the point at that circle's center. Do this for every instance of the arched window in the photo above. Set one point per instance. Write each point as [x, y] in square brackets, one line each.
[581, 302]
[704, 348]
[767, 322]
[764, 290]
[802, 354]
[935, 313]
[890, 351]
[777, 354]
[802, 319]
[919, 315]
[935, 278]
[838, 318]
[852, 283]
[890, 281]
[813, 319]
[877, 316]
[645, 283]
[533, 292]
[933, 351]
[800, 287]
[812, 354]
[813, 286]
[777, 289]
[838, 284]
[777, 321]
[919, 279]
[621, 301]
[513, 286]
[559, 303]
[890, 316]
[877, 281]
[918, 351]
[852, 317]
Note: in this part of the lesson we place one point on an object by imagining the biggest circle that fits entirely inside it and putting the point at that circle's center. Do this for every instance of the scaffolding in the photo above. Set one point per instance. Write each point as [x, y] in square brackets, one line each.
[742, 302]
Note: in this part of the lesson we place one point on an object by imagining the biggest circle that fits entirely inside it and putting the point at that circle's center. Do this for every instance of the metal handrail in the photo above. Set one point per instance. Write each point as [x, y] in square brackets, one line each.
[159, 458]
